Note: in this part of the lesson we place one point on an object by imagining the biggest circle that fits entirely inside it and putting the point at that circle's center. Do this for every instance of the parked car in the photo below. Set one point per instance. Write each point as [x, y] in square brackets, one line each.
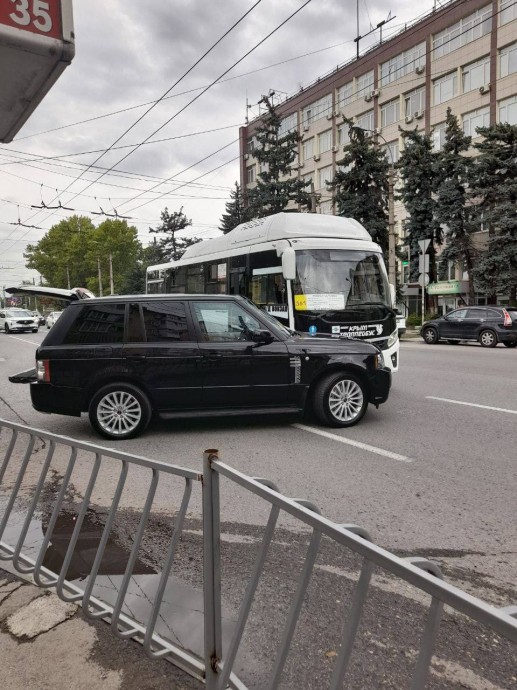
[18, 321]
[40, 317]
[52, 318]
[123, 358]
[488, 325]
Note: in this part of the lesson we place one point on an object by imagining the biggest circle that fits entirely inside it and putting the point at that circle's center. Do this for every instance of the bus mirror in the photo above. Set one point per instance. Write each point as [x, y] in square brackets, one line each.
[289, 263]
[393, 295]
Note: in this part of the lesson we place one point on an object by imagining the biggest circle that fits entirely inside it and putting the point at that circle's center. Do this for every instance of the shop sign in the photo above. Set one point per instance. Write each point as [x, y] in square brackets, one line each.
[445, 287]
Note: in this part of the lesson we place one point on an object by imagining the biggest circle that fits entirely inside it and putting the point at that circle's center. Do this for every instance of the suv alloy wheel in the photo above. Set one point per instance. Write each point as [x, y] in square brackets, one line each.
[487, 338]
[430, 336]
[120, 411]
[340, 400]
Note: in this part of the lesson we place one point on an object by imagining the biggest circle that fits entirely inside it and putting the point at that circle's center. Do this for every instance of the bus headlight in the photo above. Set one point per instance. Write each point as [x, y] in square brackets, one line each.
[393, 338]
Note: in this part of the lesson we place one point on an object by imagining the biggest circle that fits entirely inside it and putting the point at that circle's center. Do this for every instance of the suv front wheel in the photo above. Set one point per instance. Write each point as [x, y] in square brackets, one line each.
[340, 400]
[119, 411]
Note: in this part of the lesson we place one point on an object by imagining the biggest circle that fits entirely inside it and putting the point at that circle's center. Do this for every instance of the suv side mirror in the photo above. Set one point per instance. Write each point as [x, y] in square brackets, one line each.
[262, 337]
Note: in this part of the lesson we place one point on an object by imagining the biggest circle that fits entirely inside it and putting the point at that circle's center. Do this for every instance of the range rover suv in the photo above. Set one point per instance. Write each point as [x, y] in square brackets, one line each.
[122, 359]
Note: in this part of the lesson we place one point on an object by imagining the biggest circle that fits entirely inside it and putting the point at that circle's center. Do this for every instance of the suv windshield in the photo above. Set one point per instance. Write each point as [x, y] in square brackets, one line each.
[340, 279]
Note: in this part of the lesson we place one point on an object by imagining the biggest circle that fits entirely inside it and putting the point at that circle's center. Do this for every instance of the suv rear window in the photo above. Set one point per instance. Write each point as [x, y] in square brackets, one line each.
[102, 323]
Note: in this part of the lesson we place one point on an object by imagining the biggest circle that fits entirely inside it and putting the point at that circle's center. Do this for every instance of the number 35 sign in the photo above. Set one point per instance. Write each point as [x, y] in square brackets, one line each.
[39, 16]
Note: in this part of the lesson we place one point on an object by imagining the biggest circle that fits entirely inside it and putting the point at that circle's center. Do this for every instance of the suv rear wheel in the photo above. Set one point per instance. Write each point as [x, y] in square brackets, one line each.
[119, 411]
[340, 400]
[487, 339]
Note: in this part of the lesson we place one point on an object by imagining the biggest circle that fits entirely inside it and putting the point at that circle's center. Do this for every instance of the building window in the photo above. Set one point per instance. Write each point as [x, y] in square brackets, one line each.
[308, 179]
[345, 94]
[508, 60]
[392, 151]
[402, 64]
[414, 102]
[250, 174]
[438, 135]
[308, 149]
[390, 112]
[364, 84]
[317, 110]
[476, 118]
[508, 11]
[475, 75]
[445, 88]
[465, 31]
[343, 135]
[508, 110]
[326, 207]
[288, 124]
[324, 176]
[325, 141]
[365, 121]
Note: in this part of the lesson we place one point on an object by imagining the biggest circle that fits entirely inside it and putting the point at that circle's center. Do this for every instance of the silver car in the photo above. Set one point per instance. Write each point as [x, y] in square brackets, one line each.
[18, 321]
[53, 317]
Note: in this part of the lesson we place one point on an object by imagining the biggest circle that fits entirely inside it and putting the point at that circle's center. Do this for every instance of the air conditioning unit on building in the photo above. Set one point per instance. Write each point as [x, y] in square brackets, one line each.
[420, 69]
[368, 97]
[316, 158]
[376, 93]
[409, 119]
[335, 149]
[246, 156]
[330, 116]
[377, 130]
[419, 114]
[484, 89]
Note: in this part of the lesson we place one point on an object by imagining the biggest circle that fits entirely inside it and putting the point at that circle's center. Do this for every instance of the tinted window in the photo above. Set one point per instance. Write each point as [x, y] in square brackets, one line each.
[458, 314]
[476, 313]
[102, 323]
[494, 314]
[165, 321]
[223, 321]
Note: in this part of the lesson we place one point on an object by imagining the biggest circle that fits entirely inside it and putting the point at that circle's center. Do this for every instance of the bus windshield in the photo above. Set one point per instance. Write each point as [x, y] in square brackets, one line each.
[339, 279]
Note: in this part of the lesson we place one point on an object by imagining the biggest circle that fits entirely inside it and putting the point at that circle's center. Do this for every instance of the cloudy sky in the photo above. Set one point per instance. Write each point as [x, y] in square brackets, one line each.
[128, 54]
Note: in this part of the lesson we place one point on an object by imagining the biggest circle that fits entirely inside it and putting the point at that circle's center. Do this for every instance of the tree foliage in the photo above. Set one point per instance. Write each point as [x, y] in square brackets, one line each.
[276, 152]
[70, 253]
[493, 187]
[453, 210]
[172, 246]
[236, 212]
[361, 184]
[418, 172]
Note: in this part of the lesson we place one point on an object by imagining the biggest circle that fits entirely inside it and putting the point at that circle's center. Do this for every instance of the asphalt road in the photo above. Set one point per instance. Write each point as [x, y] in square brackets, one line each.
[432, 472]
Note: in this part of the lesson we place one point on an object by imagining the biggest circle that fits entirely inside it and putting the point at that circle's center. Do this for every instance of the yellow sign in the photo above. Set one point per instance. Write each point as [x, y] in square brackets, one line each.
[300, 302]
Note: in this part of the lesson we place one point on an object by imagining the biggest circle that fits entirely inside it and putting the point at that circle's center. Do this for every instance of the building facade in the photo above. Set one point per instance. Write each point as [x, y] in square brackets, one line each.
[462, 56]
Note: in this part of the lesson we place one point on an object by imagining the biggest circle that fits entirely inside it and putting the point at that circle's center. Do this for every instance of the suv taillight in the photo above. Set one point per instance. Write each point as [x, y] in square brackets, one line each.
[507, 318]
[43, 370]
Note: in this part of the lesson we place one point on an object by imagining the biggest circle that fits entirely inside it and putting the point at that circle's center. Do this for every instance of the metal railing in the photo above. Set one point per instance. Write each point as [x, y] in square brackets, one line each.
[216, 668]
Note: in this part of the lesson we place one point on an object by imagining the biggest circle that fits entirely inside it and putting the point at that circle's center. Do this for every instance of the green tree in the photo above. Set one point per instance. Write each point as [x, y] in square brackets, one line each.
[172, 246]
[236, 212]
[418, 173]
[114, 246]
[361, 184]
[59, 255]
[276, 152]
[494, 189]
[134, 281]
[454, 210]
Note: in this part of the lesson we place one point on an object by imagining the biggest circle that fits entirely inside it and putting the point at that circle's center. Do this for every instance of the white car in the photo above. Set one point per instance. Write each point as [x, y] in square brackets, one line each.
[18, 320]
[53, 317]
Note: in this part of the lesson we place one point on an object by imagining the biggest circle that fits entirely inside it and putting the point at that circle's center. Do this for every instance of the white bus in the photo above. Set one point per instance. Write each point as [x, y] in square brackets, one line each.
[315, 273]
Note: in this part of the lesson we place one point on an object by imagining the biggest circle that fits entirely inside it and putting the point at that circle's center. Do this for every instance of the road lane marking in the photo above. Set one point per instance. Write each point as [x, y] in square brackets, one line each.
[483, 407]
[357, 444]
[32, 342]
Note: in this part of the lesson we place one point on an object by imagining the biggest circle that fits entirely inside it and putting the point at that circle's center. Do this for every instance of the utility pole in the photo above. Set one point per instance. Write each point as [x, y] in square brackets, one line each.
[112, 291]
[392, 261]
[100, 275]
[68, 277]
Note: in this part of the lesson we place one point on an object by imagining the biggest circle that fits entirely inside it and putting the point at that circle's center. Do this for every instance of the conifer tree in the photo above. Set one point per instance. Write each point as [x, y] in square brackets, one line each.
[494, 187]
[236, 213]
[361, 185]
[418, 174]
[275, 152]
[173, 247]
[453, 210]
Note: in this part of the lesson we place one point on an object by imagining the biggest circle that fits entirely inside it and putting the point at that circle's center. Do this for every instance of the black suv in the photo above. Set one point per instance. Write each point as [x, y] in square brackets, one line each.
[122, 358]
[489, 325]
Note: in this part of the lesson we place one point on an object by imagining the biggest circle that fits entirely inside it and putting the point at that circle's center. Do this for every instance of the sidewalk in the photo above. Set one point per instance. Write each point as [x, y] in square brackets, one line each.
[412, 334]
[46, 644]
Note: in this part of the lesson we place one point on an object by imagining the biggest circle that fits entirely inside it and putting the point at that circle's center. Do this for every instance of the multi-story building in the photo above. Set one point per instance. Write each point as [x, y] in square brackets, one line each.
[463, 56]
